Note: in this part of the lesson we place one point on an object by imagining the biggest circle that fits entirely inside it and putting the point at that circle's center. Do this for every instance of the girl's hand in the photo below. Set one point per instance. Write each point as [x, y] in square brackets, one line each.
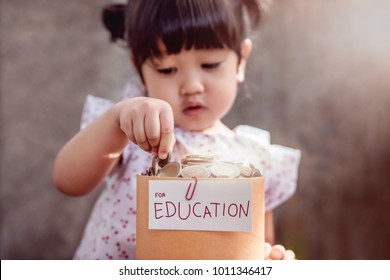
[277, 252]
[148, 122]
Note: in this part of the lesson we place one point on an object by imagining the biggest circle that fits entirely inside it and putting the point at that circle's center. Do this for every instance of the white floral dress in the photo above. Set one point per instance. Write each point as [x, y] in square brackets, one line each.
[111, 229]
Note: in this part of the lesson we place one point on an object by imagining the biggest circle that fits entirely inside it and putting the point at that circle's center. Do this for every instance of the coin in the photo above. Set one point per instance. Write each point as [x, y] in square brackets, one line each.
[197, 171]
[196, 159]
[223, 169]
[255, 172]
[155, 166]
[245, 171]
[199, 157]
[171, 169]
[200, 166]
[163, 162]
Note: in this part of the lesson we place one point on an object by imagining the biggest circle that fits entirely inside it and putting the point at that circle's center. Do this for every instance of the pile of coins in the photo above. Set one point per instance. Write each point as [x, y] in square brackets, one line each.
[200, 167]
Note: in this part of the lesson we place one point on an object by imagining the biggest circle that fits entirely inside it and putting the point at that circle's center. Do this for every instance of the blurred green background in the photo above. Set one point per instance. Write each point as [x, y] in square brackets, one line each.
[318, 80]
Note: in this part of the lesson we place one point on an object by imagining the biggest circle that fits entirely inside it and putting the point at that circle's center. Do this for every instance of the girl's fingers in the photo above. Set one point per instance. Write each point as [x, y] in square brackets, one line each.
[152, 131]
[139, 133]
[289, 255]
[127, 128]
[267, 250]
[148, 123]
[277, 252]
[167, 138]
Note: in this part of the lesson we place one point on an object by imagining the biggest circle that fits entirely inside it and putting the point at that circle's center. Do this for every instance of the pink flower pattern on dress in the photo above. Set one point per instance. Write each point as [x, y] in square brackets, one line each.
[111, 230]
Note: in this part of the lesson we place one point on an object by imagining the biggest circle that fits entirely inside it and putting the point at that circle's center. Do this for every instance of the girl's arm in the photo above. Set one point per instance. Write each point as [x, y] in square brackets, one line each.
[91, 154]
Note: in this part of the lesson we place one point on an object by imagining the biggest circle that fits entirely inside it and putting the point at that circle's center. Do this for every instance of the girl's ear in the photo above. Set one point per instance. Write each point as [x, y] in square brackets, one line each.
[246, 48]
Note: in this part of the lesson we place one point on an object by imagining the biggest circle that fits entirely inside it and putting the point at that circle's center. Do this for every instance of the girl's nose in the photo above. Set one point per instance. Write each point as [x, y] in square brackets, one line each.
[191, 84]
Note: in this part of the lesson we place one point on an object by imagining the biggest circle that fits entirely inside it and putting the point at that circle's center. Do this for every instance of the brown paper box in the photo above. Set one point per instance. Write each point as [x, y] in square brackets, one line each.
[194, 244]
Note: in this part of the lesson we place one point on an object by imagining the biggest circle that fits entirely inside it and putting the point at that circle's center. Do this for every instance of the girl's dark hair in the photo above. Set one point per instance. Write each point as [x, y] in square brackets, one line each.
[178, 24]
[113, 17]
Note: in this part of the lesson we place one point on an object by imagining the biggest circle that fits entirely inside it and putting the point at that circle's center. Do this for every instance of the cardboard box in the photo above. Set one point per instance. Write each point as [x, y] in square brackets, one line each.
[189, 219]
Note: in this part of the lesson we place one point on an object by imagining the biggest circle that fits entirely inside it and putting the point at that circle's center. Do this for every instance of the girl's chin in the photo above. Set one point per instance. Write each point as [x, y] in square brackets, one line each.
[193, 128]
[200, 127]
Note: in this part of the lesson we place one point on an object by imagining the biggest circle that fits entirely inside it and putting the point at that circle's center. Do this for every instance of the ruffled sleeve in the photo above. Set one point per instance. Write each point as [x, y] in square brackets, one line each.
[94, 107]
[278, 164]
[281, 178]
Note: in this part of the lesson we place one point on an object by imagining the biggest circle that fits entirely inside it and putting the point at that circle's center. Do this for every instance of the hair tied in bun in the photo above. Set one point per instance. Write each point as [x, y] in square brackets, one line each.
[113, 17]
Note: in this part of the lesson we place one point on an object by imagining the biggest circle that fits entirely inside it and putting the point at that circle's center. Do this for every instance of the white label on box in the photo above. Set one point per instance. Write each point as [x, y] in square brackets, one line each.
[219, 205]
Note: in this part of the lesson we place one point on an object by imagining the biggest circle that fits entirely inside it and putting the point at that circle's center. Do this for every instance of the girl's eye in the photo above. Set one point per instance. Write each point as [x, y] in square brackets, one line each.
[166, 71]
[210, 65]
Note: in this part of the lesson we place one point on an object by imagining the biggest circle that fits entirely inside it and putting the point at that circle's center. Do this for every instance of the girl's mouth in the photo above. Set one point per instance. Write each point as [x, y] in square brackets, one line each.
[194, 109]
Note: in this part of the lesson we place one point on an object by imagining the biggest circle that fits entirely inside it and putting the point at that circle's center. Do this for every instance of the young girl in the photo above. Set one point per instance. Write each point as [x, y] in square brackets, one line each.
[190, 55]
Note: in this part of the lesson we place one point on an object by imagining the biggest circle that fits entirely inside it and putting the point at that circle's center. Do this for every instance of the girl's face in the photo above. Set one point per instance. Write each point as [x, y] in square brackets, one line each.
[200, 85]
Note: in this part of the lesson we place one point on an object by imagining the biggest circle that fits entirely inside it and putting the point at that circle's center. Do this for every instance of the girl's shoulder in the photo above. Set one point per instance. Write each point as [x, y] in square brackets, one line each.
[252, 132]
[94, 106]
[263, 137]
[242, 136]
[133, 88]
